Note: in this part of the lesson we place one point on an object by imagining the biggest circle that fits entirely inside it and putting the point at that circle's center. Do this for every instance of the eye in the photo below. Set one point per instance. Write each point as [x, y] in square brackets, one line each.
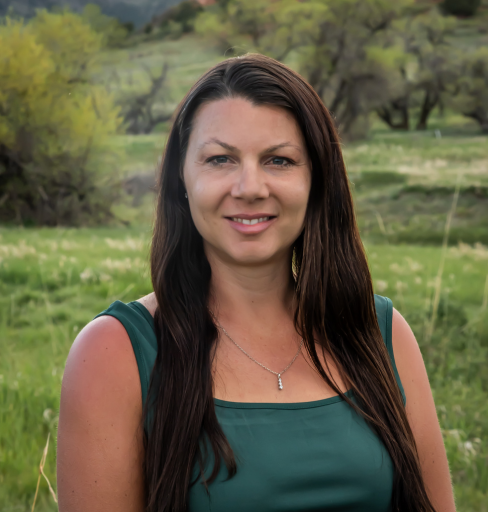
[218, 160]
[281, 162]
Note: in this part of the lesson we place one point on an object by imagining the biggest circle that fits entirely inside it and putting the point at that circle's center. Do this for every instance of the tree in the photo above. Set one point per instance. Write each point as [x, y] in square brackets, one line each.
[112, 31]
[140, 114]
[346, 61]
[177, 20]
[53, 123]
[238, 23]
[428, 69]
[337, 46]
[461, 7]
[471, 95]
[361, 56]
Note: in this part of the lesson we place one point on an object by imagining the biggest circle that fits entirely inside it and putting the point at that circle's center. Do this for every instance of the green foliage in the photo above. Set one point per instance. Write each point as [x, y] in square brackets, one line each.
[53, 122]
[129, 26]
[175, 21]
[427, 73]
[361, 56]
[461, 7]
[471, 97]
[183, 14]
[338, 46]
[113, 32]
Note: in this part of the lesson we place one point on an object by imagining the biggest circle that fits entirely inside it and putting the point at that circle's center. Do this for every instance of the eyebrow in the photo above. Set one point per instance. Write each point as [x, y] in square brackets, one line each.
[229, 147]
[282, 145]
[214, 140]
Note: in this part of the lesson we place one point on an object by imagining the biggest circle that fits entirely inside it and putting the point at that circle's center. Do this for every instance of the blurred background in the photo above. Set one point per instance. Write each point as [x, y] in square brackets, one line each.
[87, 91]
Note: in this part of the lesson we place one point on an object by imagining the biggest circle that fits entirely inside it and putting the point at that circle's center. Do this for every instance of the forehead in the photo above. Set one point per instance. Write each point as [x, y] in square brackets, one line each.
[240, 123]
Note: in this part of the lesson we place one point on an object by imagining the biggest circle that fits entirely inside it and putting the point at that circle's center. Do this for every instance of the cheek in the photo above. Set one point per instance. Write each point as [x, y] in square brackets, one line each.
[204, 202]
[295, 199]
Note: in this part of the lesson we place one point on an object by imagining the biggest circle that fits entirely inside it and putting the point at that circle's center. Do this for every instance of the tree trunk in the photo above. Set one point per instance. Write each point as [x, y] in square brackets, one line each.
[480, 116]
[139, 112]
[430, 101]
[339, 97]
[400, 106]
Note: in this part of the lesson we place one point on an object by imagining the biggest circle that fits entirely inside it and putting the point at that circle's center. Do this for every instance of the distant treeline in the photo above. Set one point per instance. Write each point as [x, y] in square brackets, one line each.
[136, 12]
[400, 60]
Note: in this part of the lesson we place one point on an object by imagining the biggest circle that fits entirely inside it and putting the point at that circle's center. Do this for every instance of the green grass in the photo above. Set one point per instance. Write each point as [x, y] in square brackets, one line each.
[403, 182]
[54, 281]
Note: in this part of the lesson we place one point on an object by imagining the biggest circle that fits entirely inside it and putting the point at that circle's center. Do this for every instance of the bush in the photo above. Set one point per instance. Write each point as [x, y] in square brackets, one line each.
[461, 7]
[471, 97]
[113, 32]
[179, 19]
[53, 123]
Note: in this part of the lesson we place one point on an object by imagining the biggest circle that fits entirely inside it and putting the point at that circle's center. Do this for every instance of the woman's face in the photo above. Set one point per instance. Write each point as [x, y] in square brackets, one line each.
[247, 176]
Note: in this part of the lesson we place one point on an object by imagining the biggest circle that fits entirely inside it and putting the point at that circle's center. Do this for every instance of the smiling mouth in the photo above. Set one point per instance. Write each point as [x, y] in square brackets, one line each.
[251, 222]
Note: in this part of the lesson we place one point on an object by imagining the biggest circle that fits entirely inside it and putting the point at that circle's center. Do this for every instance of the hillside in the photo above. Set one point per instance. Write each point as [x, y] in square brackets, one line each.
[136, 11]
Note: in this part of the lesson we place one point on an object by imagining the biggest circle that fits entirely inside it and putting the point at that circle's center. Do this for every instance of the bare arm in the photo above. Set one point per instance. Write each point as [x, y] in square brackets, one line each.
[422, 416]
[100, 439]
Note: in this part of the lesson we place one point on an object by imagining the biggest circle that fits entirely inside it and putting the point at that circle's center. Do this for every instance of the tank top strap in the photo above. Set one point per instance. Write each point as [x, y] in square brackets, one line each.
[139, 325]
[384, 313]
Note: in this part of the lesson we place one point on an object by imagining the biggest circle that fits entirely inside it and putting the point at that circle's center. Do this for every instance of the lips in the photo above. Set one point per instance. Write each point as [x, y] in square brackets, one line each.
[251, 224]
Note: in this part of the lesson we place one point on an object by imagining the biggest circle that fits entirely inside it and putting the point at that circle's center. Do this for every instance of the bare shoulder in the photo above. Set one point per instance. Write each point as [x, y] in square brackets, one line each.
[421, 414]
[100, 439]
[149, 302]
[101, 353]
[409, 361]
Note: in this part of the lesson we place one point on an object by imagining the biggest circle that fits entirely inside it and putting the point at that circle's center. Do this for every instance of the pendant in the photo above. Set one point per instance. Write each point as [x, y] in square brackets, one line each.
[280, 384]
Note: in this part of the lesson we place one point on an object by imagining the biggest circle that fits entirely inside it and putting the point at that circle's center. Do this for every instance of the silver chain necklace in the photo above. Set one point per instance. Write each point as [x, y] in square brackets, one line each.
[280, 384]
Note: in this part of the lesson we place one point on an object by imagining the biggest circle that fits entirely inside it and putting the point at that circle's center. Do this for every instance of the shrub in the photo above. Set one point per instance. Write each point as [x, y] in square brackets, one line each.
[53, 123]
[179, 19]
[461, 7]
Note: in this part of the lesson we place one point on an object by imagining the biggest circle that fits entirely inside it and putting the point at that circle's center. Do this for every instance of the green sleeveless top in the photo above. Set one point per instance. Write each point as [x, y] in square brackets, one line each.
[306, 456]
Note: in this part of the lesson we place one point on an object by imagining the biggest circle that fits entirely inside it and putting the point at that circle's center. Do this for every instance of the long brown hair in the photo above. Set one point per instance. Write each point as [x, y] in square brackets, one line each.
[333, 288]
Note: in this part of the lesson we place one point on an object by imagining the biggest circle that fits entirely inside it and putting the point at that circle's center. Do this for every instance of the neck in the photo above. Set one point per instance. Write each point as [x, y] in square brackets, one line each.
[258, 293]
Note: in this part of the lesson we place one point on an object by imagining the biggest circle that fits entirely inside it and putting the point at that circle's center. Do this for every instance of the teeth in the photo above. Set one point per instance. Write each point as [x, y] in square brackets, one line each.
[250, 222]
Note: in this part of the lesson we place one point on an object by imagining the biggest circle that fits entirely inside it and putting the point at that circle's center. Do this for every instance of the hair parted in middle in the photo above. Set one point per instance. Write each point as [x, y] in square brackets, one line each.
[333, 292]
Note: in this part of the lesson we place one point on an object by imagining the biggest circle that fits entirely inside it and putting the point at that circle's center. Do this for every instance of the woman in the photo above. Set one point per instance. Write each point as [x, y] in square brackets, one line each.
[260, 374]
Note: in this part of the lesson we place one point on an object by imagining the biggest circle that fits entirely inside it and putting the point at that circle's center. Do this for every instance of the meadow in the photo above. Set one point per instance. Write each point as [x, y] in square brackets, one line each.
[54, 281]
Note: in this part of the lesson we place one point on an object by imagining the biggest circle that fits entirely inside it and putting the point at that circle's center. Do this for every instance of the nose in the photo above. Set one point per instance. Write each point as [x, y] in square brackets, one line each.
[250, 182]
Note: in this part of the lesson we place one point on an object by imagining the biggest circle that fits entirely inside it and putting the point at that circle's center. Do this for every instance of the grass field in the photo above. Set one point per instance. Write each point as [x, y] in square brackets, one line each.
[54, 281]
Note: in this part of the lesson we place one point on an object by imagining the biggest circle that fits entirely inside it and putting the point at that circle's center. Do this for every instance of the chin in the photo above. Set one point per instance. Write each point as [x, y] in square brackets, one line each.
[254, 257]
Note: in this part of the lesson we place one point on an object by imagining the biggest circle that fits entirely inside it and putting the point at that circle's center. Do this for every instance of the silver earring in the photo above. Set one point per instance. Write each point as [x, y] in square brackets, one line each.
[186, 195]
